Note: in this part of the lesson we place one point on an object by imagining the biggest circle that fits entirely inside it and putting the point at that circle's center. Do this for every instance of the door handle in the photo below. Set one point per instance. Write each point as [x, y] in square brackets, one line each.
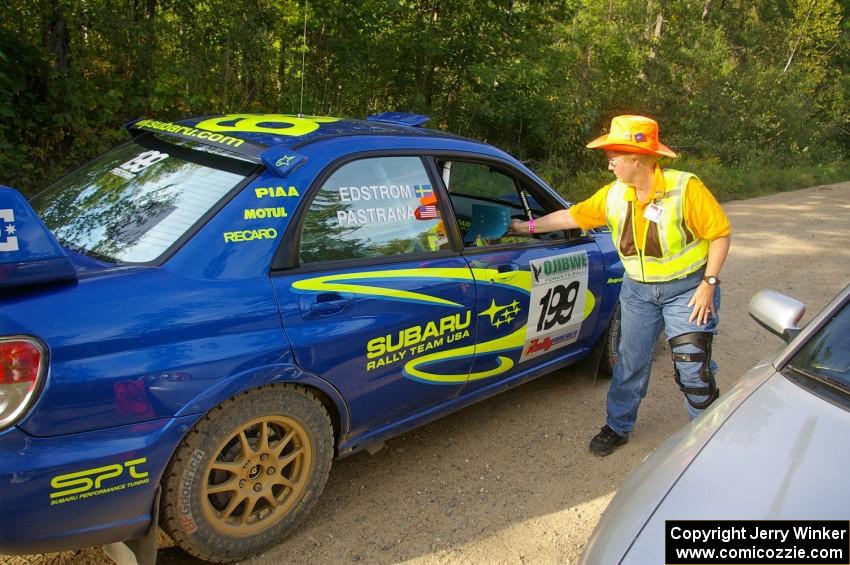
[505, 272]
[325, 304]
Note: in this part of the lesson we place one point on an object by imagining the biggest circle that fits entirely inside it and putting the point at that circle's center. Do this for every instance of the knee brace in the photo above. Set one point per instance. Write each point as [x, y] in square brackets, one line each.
[702, 341]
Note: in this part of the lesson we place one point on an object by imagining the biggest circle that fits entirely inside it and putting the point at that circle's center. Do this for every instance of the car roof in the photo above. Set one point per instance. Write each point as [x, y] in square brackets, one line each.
[277, 139]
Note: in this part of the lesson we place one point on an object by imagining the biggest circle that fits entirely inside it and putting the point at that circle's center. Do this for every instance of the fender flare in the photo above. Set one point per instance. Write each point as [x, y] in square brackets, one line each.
[259, 376]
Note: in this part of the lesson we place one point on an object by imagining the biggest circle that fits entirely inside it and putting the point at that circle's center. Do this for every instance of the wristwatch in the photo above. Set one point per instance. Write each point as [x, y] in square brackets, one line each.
[712, 280]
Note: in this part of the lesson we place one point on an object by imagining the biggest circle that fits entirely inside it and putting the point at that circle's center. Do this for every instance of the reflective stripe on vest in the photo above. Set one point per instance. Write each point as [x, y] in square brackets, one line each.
[670, 249]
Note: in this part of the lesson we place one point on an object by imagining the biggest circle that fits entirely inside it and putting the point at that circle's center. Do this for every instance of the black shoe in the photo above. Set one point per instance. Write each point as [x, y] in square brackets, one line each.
[606, 441]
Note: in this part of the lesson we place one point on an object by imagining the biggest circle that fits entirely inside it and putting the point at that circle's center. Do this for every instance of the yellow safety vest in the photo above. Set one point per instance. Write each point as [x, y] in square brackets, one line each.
[671, 250]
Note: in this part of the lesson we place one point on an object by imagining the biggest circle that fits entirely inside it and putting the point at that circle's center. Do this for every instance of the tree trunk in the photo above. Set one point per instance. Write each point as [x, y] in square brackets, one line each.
[427, 77]
[656, 36]
[56, 40]
[141, 70]
[650, 9]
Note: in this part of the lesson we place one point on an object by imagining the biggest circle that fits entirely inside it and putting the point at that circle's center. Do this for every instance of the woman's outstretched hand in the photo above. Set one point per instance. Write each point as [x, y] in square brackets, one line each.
[517, 227]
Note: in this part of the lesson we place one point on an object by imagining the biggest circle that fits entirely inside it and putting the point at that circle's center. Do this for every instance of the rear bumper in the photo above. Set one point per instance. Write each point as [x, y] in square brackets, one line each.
[85, 489]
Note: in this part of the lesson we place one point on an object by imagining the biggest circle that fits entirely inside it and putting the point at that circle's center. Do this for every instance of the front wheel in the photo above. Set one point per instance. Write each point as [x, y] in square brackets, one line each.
[247, 473]
[611, 343]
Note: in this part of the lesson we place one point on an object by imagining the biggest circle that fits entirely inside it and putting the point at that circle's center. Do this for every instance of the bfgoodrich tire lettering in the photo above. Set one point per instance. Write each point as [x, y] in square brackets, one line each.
[247, 473]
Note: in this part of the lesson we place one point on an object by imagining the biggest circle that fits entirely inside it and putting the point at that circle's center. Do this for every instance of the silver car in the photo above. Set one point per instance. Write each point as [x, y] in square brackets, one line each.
[776, 446]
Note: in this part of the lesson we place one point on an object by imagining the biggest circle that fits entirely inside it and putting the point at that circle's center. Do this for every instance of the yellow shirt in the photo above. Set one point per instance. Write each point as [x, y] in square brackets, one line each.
[703, 213]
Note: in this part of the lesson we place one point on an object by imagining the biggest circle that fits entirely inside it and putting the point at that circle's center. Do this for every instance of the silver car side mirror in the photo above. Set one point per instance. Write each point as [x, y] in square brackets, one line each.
[778, 313]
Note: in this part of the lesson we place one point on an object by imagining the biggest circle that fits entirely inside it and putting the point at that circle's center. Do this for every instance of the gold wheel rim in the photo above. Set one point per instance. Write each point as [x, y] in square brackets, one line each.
[258, 473]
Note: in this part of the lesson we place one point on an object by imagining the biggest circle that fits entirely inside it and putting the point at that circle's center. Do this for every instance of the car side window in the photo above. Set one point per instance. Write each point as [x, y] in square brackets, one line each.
[374, 207]
[485, 199]
[826, 357]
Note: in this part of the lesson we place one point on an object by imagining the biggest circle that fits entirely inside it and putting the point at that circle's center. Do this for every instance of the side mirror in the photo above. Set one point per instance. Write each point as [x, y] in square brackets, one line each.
[778, 313]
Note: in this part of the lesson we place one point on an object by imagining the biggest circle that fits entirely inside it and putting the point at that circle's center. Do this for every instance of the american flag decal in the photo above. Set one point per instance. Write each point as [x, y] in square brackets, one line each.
[426, 212]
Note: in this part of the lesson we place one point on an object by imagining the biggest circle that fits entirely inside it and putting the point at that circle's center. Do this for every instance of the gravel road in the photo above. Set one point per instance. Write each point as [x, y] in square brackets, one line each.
[510, 480]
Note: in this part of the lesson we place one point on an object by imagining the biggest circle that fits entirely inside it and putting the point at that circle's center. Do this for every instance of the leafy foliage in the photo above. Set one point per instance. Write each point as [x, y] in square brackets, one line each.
[737, 82]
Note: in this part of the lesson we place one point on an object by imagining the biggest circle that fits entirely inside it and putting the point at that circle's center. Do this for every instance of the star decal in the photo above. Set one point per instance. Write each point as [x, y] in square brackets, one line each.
[501, 314]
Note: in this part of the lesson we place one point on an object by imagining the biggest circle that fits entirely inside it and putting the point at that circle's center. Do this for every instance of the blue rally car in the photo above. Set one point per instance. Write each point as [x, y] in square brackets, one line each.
[194, 324]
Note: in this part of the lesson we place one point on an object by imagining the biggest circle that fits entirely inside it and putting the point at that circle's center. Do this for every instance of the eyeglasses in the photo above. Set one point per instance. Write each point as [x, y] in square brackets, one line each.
[614, 161]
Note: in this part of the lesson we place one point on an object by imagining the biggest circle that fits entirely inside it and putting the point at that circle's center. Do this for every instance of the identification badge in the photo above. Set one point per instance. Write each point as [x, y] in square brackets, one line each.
[653, 212]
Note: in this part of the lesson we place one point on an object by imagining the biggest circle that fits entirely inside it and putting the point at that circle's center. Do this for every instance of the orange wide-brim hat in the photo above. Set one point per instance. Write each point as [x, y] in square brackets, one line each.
[632, 134]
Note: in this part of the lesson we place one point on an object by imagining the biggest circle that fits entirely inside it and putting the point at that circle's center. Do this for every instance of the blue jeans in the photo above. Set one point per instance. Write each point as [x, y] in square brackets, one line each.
[645, 309]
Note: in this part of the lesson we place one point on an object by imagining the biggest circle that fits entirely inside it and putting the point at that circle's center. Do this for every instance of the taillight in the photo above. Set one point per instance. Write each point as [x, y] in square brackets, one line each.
[21, 367]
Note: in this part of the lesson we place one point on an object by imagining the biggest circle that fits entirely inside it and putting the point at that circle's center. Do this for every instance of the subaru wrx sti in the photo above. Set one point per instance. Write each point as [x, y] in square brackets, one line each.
[196, 323]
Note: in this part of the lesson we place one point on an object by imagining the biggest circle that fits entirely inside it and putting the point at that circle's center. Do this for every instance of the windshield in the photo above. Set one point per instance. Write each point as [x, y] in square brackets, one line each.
[135, 201]
[826, 357]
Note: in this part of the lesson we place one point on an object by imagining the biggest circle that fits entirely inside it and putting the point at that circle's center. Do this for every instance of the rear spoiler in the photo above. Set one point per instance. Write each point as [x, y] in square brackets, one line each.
[280, 160]
[29, 252]
[400, 118]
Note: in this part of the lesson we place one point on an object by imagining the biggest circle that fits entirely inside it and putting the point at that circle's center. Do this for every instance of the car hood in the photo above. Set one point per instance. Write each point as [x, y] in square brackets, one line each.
[781, 455]
[645, 488]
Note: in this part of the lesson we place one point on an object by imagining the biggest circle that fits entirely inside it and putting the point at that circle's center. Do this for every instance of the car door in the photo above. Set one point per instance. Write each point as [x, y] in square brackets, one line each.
[536, 296]
[376, 286]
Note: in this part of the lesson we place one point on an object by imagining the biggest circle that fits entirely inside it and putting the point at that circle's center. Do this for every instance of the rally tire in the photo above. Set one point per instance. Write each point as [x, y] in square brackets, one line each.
[247, 473]
[611, 343]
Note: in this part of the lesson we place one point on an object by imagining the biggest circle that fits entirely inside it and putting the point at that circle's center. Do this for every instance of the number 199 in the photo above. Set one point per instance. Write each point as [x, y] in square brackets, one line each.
[557, 305]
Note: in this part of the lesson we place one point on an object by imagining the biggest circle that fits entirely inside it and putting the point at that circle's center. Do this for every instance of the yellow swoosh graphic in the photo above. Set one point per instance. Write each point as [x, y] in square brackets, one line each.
[339, 283]
[514, 340]
[519, 280]
[511, 341]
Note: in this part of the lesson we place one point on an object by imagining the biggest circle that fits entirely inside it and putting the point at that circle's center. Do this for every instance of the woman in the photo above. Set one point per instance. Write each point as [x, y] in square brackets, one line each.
[673, 238]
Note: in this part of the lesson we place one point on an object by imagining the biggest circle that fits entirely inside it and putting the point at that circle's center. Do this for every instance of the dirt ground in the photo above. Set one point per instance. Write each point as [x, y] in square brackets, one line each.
[510, 480]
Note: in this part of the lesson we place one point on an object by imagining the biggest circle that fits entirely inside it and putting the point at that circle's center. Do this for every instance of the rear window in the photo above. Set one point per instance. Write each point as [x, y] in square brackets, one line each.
[134, 202]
